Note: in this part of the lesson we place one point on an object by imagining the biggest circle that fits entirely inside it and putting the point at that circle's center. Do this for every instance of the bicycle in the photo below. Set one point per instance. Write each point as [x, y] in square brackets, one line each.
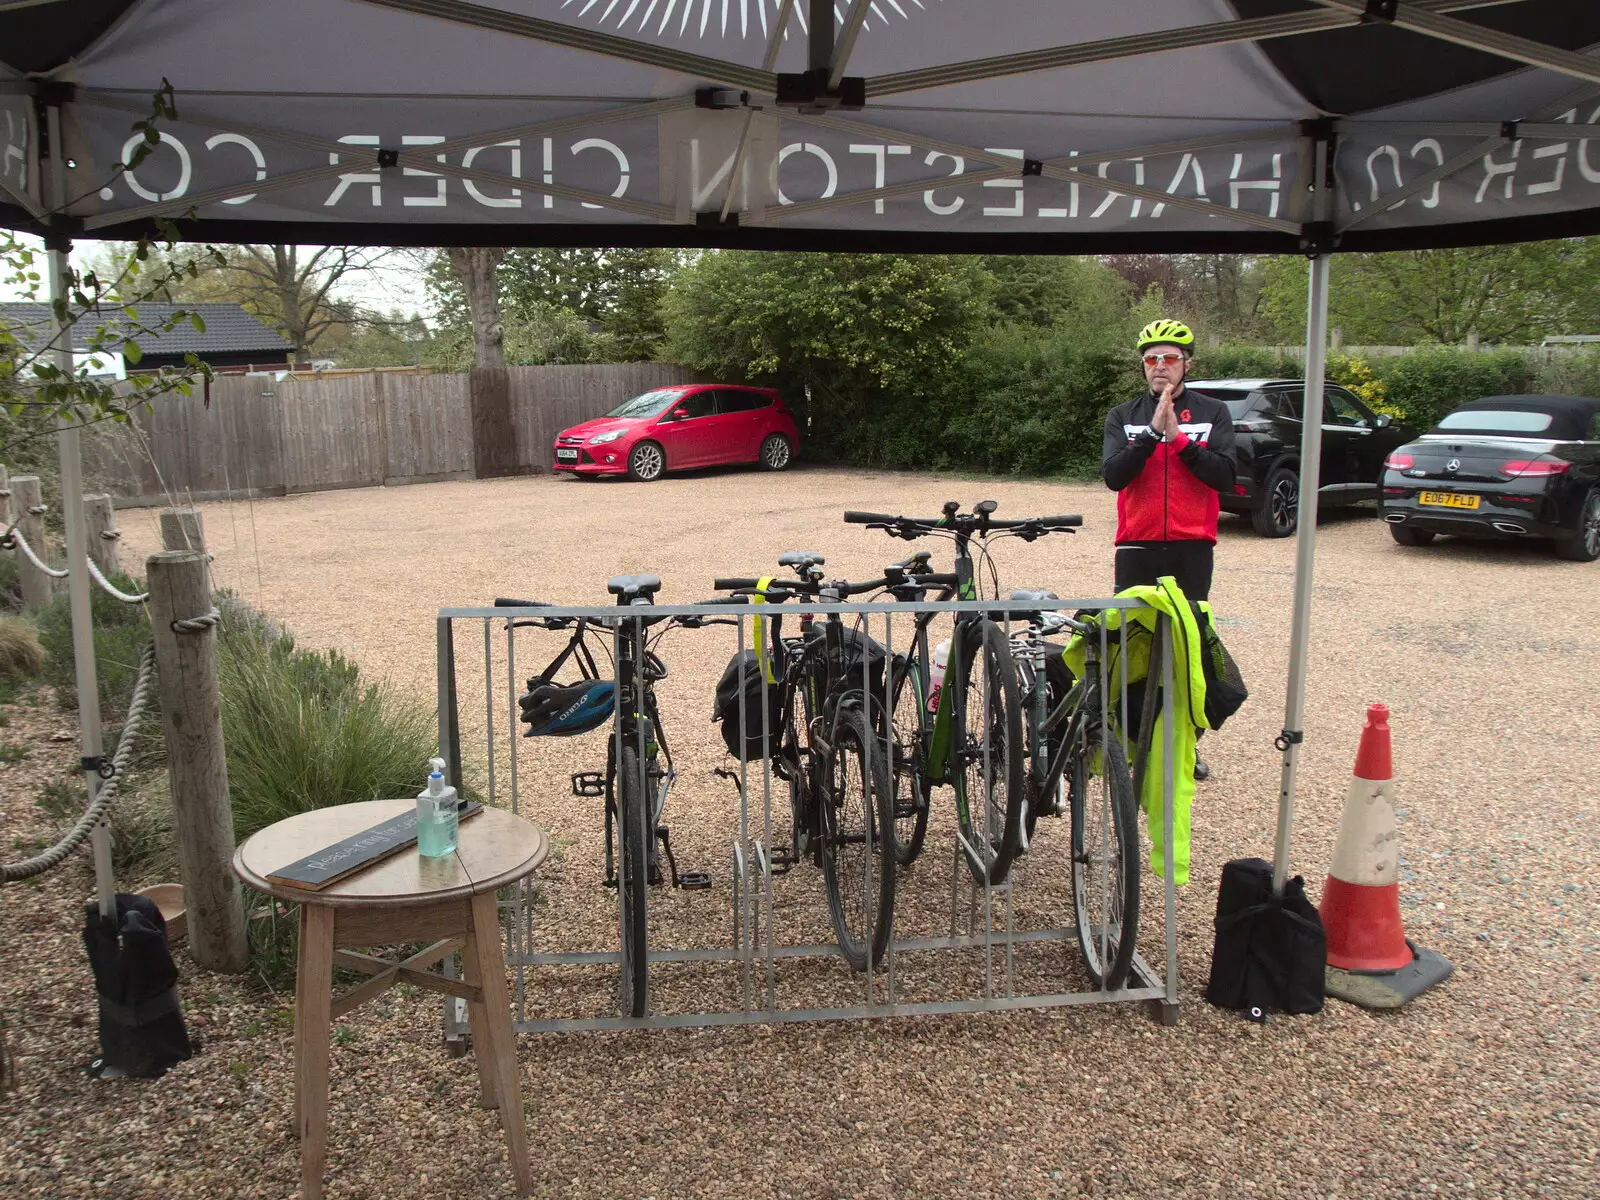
[824, 747]
[1069, 751]
[973, 739]
[639, 772]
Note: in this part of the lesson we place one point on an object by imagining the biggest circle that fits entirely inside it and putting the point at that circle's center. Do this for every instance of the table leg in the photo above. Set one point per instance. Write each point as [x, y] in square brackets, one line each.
[313, 1004]
[485, 946]
[477, 1014]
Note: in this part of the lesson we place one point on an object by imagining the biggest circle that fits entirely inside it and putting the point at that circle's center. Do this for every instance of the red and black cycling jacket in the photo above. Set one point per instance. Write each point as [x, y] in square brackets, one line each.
[1167, 490]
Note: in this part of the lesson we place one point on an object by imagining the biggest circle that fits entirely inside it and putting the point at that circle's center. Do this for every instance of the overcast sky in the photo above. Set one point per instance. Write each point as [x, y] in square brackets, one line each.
[396, 283]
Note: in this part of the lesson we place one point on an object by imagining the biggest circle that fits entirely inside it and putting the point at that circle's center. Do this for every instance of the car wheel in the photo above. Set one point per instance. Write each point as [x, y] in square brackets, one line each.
[1585, 546]
[1278, 513]
[776, 453]
[646, 462]
[1407, 536]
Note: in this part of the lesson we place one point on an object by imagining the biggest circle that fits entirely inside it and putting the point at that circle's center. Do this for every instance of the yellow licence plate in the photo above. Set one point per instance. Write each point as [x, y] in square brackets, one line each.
[1447, 500]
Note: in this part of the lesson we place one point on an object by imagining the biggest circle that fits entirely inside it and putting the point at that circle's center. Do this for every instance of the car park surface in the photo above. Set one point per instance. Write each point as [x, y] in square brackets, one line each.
[1486, 654]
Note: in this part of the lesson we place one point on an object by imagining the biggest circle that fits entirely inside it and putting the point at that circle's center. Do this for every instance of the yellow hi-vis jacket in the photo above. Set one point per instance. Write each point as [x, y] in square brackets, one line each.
[1132, 659]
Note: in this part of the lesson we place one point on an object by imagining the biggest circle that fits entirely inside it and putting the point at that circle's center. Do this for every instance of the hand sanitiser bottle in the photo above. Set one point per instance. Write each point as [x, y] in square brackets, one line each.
[437, 819]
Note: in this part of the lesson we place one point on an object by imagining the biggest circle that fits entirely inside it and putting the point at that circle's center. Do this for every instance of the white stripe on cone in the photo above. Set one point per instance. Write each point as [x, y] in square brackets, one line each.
[1368, 850]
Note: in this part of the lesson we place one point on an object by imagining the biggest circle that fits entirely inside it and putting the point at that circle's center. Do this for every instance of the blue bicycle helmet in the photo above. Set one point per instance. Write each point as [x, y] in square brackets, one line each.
[557, 710]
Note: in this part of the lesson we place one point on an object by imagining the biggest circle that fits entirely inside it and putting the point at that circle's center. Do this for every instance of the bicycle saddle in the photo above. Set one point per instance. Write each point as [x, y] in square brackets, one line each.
[801, 559]
[1029, 595]
[916, 563]
[633, 585]
[984, 507]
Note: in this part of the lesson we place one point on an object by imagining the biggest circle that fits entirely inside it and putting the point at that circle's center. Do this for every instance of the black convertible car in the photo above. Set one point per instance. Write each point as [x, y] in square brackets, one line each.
[1502, 467]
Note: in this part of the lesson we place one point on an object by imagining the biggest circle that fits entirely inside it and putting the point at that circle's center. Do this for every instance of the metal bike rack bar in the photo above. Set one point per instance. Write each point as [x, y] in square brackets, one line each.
[508, 773]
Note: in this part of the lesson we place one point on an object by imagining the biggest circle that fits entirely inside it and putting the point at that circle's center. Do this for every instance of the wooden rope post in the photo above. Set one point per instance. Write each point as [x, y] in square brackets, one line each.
[182, 529]
[191, 707]
[100, 524]
[37, 588]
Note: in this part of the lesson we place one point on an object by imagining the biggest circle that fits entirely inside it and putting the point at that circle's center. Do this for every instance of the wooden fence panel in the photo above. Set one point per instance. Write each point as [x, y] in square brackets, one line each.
[429, 422]
[265, 436]
[333, 435]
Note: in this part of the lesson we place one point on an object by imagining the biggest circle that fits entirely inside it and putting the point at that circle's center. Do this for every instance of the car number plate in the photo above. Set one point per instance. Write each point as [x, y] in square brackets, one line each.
[566, 454]
[1447, 500]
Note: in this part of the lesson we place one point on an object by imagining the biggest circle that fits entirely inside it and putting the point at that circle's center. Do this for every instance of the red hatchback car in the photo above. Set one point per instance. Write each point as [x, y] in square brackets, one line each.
[691, 425]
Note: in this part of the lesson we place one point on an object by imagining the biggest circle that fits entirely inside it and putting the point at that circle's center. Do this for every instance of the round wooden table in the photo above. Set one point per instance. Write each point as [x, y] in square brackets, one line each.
[449, 901]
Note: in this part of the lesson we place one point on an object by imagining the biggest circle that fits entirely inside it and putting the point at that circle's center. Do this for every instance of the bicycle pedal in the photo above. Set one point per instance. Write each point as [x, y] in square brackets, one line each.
[695, 881]
[588, 783]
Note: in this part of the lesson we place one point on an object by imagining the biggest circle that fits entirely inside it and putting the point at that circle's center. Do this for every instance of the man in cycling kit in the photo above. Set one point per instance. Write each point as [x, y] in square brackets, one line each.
[1167, 454]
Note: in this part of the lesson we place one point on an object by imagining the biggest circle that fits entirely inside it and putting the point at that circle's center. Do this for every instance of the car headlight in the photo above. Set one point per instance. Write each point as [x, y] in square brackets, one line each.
[600, 439]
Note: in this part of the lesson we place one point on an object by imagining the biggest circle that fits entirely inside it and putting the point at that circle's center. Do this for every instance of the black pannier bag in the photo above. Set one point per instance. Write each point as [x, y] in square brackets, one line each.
[845, 661]
[1270, 952]
[738, 707]
[1225, 690]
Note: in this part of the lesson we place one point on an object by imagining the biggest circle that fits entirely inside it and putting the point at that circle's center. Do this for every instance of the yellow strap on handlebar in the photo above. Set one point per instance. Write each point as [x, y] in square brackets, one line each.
[759, 629]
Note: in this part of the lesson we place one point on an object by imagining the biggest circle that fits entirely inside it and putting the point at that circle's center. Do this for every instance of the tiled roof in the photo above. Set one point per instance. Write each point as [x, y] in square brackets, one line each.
[229, 329]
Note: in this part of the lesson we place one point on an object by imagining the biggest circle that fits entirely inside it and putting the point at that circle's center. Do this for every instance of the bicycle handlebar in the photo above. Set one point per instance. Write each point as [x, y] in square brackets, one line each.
[912, 527]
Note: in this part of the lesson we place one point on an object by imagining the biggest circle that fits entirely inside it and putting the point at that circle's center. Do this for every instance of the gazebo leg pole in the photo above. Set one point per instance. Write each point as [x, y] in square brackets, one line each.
[78, 588]
[1304, 561]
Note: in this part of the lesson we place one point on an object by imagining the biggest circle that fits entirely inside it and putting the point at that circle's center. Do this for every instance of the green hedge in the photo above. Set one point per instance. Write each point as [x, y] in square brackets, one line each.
[1033, 402]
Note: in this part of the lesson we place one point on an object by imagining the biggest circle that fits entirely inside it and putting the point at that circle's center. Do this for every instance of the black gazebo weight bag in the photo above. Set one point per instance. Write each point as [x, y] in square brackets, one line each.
[1270, 951]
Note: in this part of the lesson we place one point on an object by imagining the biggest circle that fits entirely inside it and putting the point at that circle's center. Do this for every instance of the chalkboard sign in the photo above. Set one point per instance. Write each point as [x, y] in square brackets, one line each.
[335, 862]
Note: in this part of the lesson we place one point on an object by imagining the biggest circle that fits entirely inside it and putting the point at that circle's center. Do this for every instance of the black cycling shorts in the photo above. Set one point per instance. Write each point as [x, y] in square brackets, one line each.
[1188, 562]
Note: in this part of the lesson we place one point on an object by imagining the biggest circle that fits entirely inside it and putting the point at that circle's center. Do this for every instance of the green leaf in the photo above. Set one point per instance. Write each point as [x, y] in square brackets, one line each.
[131, 353]
[198, 322]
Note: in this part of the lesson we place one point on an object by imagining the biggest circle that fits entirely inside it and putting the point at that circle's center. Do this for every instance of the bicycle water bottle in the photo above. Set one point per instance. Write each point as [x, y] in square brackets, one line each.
[941, 659]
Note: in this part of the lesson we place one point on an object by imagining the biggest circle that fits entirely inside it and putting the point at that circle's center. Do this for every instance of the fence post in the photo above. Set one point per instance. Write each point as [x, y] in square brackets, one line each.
[191, 707]
[182, 529]
[101, 529]
[37, 587]
[5, 497]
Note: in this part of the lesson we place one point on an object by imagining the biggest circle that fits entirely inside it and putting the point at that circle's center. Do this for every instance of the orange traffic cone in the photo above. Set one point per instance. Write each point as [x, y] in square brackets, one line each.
[1370, 962]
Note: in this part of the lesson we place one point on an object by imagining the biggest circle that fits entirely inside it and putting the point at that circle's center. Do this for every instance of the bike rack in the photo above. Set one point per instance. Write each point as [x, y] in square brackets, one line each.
[980, 921]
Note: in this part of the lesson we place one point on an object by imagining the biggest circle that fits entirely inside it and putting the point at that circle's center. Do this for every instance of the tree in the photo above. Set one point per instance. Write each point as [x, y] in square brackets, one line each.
[1513, 294]
[476, 269]
[1055, 292]
[290, 288]
[617, 290]
[842, 332]
[98, 310]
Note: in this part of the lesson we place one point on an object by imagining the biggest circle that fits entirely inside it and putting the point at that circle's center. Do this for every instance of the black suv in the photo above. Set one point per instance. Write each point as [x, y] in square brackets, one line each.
[1267, 427]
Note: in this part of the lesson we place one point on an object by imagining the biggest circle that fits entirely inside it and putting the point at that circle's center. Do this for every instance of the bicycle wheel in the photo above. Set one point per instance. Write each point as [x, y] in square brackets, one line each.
[633, 869]
[987, 752]
[1105, 860]
[910, 825]
[857, 814]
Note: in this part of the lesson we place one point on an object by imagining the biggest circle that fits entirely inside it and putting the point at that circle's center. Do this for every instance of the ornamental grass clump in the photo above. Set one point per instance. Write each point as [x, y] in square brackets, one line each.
[21, 655]
[304, 731]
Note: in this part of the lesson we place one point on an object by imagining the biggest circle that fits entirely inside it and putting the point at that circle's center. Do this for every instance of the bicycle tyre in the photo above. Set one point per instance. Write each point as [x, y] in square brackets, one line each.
[633, 884]
[858, 810]
[910, 826]
[987, 758]
[1105, 878]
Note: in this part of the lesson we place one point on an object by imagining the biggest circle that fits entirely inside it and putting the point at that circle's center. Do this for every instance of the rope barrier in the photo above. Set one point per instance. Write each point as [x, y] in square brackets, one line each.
[14, 538]
[105, 795]
[198, 624]
[111, 589]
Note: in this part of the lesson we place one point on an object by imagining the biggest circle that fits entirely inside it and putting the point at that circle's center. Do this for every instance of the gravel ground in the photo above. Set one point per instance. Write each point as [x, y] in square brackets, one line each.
[1485, 654]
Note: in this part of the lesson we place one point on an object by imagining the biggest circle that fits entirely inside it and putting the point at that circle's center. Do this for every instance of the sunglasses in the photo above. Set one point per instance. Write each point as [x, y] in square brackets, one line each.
[1169, 359]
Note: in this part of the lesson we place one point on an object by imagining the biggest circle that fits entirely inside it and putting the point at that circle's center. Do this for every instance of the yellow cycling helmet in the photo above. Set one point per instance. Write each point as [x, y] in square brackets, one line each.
[1163, 332]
